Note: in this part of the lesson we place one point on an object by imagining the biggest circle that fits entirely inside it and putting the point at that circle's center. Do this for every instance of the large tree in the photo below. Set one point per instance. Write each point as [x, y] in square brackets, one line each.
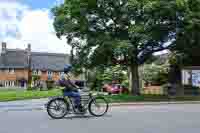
[188, 32]
[123, 32]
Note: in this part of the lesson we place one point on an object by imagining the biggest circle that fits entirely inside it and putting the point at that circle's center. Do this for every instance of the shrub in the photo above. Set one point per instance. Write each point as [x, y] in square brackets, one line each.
[190, 87]
[154, 74]
[191, 90]
[30, 88]
[165, 88]
[50, 84]
[125, 83]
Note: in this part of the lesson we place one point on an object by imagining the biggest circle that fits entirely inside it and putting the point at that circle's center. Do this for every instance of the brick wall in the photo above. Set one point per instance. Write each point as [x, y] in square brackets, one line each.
[13, 76]
[44, 76]
[56, 76]
[23, 73]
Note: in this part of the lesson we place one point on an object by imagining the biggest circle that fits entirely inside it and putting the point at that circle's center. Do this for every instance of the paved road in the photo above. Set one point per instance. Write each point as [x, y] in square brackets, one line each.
[135, 119]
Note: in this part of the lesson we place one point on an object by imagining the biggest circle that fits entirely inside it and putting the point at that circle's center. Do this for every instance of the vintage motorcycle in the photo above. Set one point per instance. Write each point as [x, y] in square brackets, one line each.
[59, 107]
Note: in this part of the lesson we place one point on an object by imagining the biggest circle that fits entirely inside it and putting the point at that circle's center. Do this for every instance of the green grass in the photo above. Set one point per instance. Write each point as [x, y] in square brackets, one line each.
[129, 98]
[11, 95]
[149, 98]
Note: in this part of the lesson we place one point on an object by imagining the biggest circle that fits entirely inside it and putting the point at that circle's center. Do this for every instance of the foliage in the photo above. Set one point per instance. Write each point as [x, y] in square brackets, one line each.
[106, 75]
[30, 88]
[125, 83]
[187, 41]
[113, 73]
[155, 74]
[33, 81]
[124, 32]
[35, 77]
[191, 90]
[50, 84]
[191, 87]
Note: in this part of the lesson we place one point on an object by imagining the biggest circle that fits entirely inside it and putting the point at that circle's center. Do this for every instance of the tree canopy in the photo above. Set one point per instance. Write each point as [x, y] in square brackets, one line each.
[125, 32]
[187, 44]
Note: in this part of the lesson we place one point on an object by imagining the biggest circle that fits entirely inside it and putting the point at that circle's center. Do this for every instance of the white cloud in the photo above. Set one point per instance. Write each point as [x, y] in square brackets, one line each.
[58, 2]
[20, 25]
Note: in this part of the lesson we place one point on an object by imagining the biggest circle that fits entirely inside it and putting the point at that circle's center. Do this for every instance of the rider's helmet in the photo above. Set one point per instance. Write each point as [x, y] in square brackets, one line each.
[62, 81]
[67, 68]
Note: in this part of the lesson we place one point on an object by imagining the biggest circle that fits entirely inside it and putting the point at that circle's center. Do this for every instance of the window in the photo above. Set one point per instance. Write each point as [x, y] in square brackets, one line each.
[50, 73]
[1, 83]
[61, 73]
[11, 71]
[6, 83]
[9, 83]
[36, 72]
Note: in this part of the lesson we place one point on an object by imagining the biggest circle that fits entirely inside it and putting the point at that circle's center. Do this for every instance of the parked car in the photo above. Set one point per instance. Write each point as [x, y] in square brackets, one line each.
[115, 89]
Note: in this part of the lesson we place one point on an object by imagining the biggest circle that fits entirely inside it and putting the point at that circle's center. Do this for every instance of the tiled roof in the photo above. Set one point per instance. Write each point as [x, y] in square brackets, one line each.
[48, 61]
[14, 59]
[17, 58]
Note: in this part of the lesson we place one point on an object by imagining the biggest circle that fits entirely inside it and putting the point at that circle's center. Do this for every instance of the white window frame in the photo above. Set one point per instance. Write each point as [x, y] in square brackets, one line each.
[36, 72]
[6, 83]
[61, 73]
[11, 70]
[2, 82]
[50, 73]
[9, 83]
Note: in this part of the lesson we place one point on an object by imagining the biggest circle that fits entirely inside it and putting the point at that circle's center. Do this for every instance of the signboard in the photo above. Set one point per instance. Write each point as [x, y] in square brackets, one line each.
[196, 78]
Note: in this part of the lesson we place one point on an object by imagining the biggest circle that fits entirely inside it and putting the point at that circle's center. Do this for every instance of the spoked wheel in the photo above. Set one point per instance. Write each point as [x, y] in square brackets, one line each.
[57, 108]
[98, 106]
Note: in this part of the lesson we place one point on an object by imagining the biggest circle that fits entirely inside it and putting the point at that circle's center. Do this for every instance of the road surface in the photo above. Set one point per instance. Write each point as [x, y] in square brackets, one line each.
[173, 118]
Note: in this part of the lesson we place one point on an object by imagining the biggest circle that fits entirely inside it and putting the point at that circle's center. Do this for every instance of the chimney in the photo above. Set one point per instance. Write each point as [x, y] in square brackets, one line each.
[28, 49]
[3, 50]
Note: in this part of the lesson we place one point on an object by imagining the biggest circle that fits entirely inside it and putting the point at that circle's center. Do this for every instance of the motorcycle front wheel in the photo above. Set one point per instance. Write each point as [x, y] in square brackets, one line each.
[98, 106]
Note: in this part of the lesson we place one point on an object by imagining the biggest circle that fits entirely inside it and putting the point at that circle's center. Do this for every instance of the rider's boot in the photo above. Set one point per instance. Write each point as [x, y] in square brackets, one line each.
[80, 109]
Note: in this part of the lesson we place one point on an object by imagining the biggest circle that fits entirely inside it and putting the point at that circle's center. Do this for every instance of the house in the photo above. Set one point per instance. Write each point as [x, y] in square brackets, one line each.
[18, 66]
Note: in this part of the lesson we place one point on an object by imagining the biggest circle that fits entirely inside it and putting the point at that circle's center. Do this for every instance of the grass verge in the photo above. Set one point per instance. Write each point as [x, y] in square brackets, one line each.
[12, 95]
[149, 98]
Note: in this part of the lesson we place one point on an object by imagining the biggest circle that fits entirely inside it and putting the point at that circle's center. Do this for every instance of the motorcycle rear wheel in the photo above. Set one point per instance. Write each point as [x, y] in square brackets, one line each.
[57, 108]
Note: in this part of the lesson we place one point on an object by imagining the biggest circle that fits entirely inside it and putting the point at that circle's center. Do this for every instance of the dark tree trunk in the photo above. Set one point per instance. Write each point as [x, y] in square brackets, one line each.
[175, 79]
[130, 79]
[72, 55]
[134, 80]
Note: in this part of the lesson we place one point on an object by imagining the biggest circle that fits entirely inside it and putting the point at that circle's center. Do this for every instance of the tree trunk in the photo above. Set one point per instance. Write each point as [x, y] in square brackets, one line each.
[134, 79]
[130, 79]
[175, 79]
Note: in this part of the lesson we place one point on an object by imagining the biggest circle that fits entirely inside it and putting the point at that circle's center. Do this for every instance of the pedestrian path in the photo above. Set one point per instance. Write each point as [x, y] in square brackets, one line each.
[24, 105]
[39, 104]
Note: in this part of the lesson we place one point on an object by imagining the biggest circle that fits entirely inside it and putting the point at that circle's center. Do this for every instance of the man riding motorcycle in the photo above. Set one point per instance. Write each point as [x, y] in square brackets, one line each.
[71, 89]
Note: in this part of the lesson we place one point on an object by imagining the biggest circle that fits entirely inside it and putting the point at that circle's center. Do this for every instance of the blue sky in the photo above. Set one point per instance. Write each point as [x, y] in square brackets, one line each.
[38, 4]
[30, 21]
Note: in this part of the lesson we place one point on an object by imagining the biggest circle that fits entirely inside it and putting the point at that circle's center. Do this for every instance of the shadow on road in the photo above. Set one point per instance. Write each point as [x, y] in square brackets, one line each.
[83, 117]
